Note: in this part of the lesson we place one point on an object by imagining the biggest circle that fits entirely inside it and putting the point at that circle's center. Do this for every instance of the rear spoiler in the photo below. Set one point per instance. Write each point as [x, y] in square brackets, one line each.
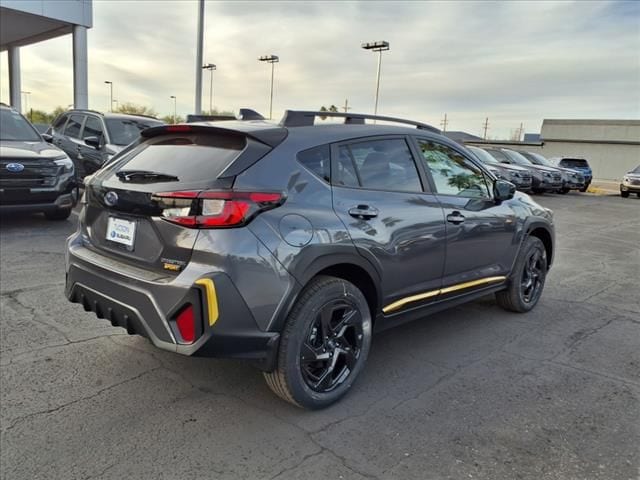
[270, 135]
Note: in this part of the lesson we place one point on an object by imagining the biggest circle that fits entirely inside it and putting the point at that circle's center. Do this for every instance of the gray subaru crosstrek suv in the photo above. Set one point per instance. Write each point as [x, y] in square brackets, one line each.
[290, 244]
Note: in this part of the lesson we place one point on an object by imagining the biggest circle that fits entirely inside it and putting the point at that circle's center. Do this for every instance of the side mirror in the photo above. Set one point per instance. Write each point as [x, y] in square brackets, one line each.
[47, 138]
[503, 190]
[93, 142]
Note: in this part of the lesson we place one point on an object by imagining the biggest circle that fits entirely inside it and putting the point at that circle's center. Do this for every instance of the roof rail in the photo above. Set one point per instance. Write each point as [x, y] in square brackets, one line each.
[299, 118]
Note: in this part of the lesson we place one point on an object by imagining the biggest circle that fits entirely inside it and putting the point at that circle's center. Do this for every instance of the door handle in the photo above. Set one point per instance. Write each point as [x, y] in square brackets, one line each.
[364, 212]
[455, 217]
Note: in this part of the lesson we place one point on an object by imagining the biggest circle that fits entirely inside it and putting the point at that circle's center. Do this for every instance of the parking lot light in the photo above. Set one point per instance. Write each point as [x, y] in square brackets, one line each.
[110, 94]
[211, 67]
[272, 59]
[174, 107]
[380, 46]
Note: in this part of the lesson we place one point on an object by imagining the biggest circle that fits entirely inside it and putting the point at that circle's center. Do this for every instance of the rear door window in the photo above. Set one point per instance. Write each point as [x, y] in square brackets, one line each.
[385, 164]
[190, 157]
[74, 125]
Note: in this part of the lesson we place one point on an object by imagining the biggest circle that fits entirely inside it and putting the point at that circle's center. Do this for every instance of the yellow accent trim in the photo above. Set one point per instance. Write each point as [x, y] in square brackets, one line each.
[212, 298]
[398, 304]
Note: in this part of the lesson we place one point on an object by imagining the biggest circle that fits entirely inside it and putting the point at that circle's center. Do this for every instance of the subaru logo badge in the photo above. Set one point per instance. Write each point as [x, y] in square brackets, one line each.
[111, 198]
[15, 167]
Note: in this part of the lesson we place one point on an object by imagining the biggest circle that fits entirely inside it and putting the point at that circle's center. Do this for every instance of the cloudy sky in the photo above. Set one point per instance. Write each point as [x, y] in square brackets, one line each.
[510, 61]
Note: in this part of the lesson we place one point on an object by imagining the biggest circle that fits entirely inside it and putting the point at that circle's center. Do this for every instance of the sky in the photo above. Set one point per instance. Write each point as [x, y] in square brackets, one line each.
[513, 62]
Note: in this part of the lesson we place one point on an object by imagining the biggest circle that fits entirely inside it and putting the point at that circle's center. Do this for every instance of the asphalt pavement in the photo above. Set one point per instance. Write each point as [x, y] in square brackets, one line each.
[473, 392]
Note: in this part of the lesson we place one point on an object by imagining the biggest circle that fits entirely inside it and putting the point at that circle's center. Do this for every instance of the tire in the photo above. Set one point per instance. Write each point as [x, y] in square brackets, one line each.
[565, 190]
[62, 214]
[313, 329]
[585, 188]
[527, 279]
[624, 194]
[537, 191]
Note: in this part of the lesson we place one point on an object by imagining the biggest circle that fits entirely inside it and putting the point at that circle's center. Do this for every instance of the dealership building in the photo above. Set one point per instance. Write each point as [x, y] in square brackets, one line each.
[612, 147]
[23, 23]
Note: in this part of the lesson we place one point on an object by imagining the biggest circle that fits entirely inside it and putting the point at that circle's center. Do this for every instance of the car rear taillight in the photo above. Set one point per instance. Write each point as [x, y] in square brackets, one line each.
[215, 209]
[186, 323]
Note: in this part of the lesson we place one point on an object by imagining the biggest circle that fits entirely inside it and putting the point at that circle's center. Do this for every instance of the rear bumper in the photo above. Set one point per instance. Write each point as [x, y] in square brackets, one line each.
[148, 306]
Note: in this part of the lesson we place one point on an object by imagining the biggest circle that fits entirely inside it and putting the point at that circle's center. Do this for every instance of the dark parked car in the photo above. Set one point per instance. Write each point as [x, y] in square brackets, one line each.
[579, 164]
[631, 183]
[92, 138]
[290, 244]
[519, 176]
[34, 176]
[544, 179]
[571, 179]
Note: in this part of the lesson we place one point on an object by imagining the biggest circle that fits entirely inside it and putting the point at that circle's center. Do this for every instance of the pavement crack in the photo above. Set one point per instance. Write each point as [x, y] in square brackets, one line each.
[78, 400]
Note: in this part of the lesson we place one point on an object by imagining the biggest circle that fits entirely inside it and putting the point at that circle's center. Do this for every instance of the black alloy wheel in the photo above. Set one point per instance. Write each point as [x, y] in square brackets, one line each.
[324, 344]
[532, 277]
[527, 279]
[332, 345]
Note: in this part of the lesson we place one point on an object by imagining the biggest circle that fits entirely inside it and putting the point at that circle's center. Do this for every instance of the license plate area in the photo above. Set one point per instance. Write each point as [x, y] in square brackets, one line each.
[121, 231]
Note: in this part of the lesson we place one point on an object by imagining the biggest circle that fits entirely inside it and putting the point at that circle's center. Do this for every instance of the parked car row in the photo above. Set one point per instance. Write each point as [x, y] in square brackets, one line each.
[43, 172]
[92, 138]
[531, 172]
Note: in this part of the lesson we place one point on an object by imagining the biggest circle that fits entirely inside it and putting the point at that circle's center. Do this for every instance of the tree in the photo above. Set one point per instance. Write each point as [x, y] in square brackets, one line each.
[332, 108]
[134, 109]
[170, 119]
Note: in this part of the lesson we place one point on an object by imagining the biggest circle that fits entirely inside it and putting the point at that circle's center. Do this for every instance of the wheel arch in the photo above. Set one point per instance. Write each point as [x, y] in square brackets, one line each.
[542, 232]
[351, 267]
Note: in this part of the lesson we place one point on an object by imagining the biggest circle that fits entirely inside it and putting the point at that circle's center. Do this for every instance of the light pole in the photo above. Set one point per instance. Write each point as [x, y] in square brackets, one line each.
[272, 59]
[174, 107]
[381, 46]
[110, 94]
[211, 67]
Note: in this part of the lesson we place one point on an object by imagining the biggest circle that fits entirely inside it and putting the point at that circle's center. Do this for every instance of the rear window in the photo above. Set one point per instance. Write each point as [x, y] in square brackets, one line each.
[189, 157]
[318, 160]
[574, 162]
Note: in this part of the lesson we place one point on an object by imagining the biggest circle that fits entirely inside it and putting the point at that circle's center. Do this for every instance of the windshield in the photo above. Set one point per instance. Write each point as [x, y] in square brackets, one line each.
[635, 170]
[15, 127]
[482, 155]
[123, 131]
[498, 155]
[537, 159]
[574, 162]
[516, 158]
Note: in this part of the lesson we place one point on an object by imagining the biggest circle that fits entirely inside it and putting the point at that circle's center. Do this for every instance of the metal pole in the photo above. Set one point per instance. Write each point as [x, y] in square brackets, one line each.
[111, 96]
[271, 98]
[211, 93]
[175, 115]
[80, 72]
[200, 41]
[15, 97]
[375, 111]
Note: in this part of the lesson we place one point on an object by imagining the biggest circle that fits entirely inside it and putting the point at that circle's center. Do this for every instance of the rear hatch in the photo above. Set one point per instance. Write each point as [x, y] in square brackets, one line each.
[140, 207]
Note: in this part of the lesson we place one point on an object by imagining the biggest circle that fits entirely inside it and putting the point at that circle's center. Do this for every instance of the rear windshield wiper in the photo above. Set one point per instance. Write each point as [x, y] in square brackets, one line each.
[145, 175]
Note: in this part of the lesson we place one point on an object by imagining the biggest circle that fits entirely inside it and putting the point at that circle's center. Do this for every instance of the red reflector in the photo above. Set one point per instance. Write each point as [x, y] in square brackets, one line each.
[265, 197]
[177, 128]
[186, 323]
